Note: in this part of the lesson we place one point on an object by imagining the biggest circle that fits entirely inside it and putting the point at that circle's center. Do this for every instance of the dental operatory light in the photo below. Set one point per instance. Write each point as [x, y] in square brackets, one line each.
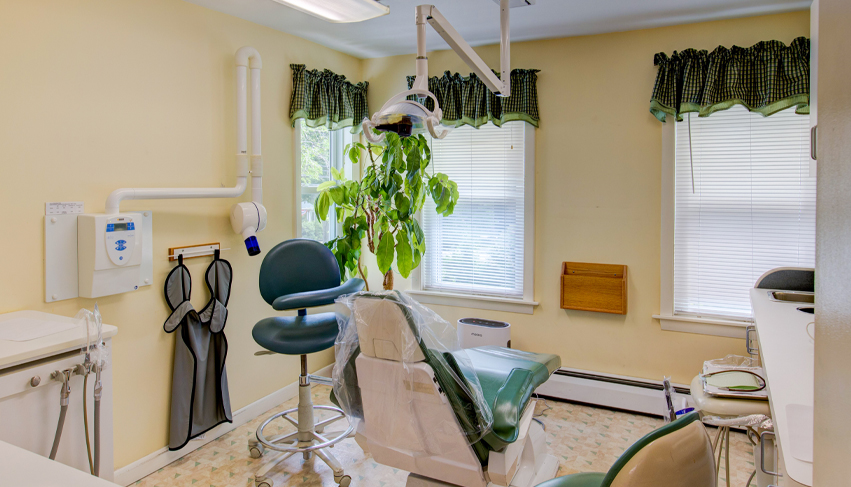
[339, 11]
[408, 117]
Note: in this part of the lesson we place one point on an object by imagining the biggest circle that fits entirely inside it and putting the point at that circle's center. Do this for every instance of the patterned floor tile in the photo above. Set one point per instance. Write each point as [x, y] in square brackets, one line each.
[583, 438]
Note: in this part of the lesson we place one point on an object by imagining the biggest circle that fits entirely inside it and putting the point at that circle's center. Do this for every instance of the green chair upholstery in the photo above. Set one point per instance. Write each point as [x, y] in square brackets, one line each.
[509, 378]
[300, 274]
[678, 454]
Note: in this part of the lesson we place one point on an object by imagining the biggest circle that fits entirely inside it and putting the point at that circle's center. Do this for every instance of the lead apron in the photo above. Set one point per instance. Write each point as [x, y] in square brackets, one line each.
[199, 390]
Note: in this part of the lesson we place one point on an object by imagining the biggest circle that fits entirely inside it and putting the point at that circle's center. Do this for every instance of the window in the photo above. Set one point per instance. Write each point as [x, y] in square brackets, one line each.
[318, 149]
[743, 203]
[483, 251]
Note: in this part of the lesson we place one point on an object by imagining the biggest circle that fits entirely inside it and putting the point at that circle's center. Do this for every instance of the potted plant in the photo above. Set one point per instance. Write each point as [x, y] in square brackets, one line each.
[381, 207]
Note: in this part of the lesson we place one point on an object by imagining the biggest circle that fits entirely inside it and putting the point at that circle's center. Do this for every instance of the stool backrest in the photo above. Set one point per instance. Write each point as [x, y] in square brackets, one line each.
[788, 279]
[678, 454]
[296, 266]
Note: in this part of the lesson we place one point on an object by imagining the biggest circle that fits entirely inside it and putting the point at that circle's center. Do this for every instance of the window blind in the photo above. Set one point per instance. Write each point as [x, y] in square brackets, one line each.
[479, 248]
[752, 209]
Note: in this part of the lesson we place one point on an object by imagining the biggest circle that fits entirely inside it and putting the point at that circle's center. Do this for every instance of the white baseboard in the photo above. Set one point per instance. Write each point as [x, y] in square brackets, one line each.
[609, 394]
[151, 463]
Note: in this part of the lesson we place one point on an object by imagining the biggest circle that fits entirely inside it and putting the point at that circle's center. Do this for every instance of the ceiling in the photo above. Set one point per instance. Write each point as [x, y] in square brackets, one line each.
[478, 20]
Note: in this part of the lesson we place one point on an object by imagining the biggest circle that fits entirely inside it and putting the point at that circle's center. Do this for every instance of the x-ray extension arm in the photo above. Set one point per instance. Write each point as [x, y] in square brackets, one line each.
[246, 218]
[429, 13]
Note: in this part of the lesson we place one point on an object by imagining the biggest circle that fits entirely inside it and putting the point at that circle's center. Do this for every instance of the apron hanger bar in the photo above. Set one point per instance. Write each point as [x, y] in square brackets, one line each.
[193, 251]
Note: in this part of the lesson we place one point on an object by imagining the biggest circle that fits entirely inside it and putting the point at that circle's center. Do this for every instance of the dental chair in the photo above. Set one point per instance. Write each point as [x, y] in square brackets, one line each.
[678, 454]
[295, 275]
[448, 416]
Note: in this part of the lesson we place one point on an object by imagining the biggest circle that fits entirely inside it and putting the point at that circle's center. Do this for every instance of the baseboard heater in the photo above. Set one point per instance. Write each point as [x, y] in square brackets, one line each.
[610, 391]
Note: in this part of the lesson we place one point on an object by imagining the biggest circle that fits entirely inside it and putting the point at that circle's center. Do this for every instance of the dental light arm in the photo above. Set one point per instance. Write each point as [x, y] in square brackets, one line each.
[500, 85]
[246, 218]
[403, 116]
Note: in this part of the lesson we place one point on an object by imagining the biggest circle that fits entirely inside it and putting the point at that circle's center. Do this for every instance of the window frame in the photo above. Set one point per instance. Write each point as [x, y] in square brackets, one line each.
[527, 304]
[340, 138]
[668, 319]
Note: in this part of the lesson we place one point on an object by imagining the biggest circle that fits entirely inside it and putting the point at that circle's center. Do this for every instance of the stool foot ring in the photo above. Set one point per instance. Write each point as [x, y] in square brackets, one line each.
[270, 443]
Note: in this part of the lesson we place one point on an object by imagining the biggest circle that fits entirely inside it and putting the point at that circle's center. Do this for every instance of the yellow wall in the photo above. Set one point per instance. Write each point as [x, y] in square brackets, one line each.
[102, 94]
[598, 184]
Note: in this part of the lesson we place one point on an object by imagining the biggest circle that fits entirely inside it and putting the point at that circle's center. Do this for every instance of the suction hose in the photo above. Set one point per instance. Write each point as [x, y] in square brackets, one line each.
[64, 394]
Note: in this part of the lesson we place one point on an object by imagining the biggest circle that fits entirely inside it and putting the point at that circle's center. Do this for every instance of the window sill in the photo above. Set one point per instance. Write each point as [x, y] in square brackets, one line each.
[703, 326]
[475, 302]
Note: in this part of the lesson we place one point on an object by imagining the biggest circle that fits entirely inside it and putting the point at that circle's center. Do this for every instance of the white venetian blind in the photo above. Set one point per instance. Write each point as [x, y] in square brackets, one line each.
[753, 207]
[479, 248]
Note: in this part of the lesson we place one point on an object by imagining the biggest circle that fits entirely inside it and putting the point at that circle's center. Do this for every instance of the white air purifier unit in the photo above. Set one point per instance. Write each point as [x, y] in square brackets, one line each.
[476, 332]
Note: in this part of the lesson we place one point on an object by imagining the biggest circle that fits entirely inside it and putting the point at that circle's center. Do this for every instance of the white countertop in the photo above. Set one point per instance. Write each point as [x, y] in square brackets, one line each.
[22, 468]
[17, 352]
[788, 356]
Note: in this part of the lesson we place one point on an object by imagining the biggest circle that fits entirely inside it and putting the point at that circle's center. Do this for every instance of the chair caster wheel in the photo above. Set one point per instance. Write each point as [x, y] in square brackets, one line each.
[320, 429]
[256, 449]
[262, 482]
[343, 480]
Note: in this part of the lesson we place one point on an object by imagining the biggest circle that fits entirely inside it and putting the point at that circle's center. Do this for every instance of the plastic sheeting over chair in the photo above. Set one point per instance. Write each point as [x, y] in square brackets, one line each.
[423, 404]
[418, 364]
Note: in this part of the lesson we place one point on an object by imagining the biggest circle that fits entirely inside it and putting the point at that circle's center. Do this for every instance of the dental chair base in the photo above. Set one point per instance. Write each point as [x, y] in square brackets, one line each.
[309, 439]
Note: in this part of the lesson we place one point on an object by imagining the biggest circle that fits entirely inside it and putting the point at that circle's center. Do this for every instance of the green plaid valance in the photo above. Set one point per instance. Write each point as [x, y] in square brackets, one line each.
[467, 101]
[326, 99]
[765, 78]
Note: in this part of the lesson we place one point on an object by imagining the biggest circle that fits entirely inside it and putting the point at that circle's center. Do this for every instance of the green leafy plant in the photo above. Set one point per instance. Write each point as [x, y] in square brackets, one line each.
[381, 207]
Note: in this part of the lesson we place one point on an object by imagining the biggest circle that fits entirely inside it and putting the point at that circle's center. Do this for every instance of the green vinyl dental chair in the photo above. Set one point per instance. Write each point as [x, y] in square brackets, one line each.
[678, 454]
[295, 275]
[446, 415]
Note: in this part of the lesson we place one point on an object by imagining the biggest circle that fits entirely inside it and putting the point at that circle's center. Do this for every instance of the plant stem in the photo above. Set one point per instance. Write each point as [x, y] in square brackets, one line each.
[388, 280]
[360, 271]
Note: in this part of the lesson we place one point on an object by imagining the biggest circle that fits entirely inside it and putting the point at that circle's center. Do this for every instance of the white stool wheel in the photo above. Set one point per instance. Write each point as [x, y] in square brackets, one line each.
[256, 449]
[343, 481]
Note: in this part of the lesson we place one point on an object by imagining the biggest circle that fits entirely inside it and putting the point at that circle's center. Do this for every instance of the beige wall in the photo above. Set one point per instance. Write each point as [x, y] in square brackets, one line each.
[101, 94]
[598, 177]
[833, 252]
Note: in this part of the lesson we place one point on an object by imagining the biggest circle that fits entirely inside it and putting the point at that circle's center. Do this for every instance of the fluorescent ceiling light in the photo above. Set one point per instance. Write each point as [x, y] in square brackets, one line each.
[339, 11]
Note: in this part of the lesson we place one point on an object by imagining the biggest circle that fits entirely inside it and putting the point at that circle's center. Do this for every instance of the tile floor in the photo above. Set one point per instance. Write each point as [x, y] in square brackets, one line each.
[583, 438]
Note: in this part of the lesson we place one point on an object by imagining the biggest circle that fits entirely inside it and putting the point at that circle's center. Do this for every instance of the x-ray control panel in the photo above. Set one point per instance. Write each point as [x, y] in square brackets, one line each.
[109, 253]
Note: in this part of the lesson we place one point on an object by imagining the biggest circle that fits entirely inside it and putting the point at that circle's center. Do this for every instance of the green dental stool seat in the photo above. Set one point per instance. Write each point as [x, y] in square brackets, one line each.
[295, 275]
[678, 454]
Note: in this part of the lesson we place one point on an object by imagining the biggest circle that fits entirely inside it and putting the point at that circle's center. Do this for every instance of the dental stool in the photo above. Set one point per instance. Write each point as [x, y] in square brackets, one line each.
[435, 432]
[295, 275]
[678, 454]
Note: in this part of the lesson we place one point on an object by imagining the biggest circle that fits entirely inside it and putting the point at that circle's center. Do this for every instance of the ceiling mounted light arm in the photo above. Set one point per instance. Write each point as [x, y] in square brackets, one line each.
[498, 84]
[405, 117]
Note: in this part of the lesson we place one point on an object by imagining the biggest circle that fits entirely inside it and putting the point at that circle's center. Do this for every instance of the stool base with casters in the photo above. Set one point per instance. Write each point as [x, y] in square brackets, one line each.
[310, 437]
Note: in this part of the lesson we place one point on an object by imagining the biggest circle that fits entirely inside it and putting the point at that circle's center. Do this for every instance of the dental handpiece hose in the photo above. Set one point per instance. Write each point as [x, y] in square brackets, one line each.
[98, 393]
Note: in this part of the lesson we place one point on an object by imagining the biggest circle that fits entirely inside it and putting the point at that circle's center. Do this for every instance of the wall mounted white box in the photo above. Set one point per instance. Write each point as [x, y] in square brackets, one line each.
[99, 274]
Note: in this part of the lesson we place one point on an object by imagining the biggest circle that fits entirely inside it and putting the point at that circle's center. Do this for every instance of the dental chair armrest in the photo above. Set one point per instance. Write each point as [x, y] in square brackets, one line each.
[322, 297]
[511, 400]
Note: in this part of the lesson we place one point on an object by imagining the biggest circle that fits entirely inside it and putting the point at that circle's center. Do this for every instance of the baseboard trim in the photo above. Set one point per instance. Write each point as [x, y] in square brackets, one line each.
[611, 391]
[151, 463]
